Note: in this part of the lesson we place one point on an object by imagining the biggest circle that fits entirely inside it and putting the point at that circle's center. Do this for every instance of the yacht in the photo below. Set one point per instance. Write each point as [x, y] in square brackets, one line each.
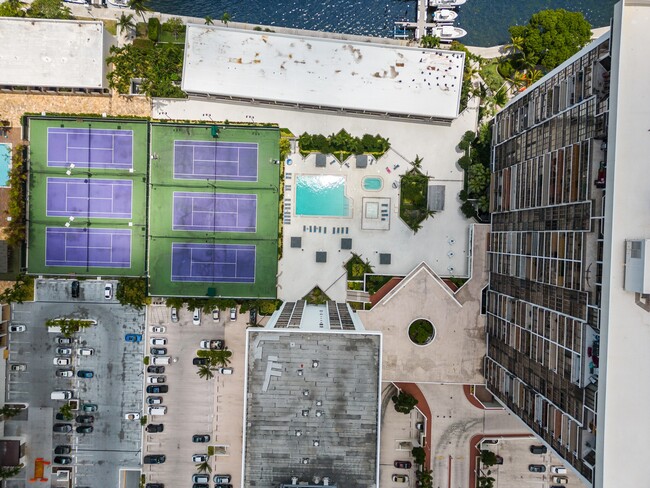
[82, 2]
[444, 15]
[446, 3]
[118, 3]
[448, 32]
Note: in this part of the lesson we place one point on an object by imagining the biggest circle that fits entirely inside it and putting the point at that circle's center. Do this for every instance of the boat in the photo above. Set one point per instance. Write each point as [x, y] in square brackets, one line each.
[446, 3]
[118, 3]
[448, 32]
[82, 2]
[444, 15]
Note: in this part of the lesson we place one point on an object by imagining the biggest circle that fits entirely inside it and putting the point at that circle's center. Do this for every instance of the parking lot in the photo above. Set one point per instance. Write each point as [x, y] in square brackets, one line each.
[115, 386]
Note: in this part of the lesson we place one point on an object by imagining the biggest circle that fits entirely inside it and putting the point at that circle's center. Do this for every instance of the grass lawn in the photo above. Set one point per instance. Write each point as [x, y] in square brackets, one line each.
[413, 199]
[491, 75]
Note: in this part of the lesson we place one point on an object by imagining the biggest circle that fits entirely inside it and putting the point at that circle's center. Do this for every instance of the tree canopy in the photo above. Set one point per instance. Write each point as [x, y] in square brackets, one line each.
[551, 37]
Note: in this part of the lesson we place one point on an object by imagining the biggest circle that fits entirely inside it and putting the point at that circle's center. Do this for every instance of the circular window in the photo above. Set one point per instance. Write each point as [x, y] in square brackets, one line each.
[421, 332]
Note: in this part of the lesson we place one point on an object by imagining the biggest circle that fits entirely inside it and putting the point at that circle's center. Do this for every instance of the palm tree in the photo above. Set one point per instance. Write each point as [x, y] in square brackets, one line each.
[208, 20]
[417, 162]
[430, 42]
[221, 358]
[139, 6]
[533, 76]
[125, 22]
[10, 471]
[500, 98]
[225, 18]
[205, 372]
[518, 79]
[8, 412]
[516, 45]
[204, 467]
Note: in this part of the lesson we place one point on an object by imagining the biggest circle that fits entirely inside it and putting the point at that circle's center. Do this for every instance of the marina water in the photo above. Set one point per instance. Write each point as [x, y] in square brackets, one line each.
[486, 21]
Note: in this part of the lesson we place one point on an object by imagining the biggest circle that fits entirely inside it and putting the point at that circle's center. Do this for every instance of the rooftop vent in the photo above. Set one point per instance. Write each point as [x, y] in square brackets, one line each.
[314, 363]
[319, 403]
[294, 480]
[319, 413]
[305, 413]
[316, 443]
[326, 481]
[298, 433]
[305, 392]
[300, 372]
[316, 479]
[305, 460]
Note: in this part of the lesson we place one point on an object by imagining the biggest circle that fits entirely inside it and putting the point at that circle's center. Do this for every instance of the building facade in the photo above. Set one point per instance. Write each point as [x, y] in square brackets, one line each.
[545, 253]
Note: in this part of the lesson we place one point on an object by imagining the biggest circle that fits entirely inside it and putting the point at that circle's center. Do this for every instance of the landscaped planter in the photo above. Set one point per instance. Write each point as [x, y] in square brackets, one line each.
[421, 332]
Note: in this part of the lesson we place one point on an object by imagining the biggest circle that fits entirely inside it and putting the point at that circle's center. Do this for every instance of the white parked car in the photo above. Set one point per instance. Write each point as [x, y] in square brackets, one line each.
[108, 291]
[558, 470]
[174, 313]
[156, 379]
[61, 361]
[17, 328]
[204, 344]
[132, 416]
[158, 329]
[18, 367]
[196, 317]
[199, 458]
[225, 370]
[85, 351]
[215, 315]
[158, 341]
[63, 351]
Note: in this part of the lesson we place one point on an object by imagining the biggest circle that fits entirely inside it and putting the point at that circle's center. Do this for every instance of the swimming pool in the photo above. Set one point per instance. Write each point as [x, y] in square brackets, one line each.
[5, 163]
[322, 195]
[372, 183]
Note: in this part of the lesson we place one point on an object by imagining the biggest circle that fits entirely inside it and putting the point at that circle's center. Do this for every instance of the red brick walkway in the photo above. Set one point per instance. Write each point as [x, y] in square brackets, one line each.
[423, 406]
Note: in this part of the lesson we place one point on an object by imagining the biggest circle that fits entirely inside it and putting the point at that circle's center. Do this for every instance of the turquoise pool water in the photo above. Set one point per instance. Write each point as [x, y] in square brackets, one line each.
[322, 195]
[5, 163]
[372, 183]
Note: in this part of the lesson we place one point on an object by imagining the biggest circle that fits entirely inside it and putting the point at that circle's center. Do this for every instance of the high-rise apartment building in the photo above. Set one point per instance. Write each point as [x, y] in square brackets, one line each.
[554, 252]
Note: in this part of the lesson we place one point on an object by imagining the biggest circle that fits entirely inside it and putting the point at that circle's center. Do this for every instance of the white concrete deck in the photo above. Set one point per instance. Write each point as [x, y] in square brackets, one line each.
[443, 240]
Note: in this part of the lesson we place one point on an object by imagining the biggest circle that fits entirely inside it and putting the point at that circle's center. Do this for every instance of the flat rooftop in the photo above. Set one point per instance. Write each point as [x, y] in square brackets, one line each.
[321, 72]
[309, 420]
[51, 53]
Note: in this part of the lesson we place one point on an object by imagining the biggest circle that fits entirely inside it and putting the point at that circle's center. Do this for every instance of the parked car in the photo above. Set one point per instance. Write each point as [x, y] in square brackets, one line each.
[153, 428]
[200, 478]
[85, 419]
[402, 464]
[158, 341]
[538, 449]
[221, 478]
[158, 351]
[133, 337]
[199, 458]
[558, 470]
[157, 389]
[62, 450]
[174, 314]
[215, 315]
[59, 416]
[201, 438]
[61, 361]
[158, 329]
[63, 351]
[200, 485]
[233, 314]
[154, 485]
[154, 459]
[89, 407]
[64, 373]
[225, 370]
[62, 460]
[85, 374]
[17, 328]
[65, 428]
[85, 351]
[159, 360]
[252, 316]
[108, 291]
[199, 361]
[156, 379]
[400, 478]
[536, 468]
[75, 289]
[196, 317]
[560, 480]
[84, 429]
[18, 367]
[211, 344]
[154, 400]
[223, 485]
[63, 340]
[156, 369]
[132, 416]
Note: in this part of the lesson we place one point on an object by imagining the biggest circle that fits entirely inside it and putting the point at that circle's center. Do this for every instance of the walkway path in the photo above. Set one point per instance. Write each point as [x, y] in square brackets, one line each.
[423, 406]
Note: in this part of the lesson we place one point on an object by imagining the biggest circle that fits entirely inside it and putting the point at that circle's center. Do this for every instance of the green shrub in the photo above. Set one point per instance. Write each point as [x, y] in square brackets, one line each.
[357, 267]
[343, 143]
[15, 229]
[69, 326]
[141, 29]
[153, 29]
[413, 208]
[133, 292]
[419, 455]
[505, 69]
[464, 162]
[404, 402]
[143, 44]
[421, 332]
[468, 210]
[488, 458]
[146, 360]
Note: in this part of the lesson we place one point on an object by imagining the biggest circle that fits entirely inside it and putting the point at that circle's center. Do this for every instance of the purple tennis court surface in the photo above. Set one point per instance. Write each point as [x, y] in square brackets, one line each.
[215, 212]
[104, 248]
[224, 161]
[90, 148]
[216, 263]
[76, 197]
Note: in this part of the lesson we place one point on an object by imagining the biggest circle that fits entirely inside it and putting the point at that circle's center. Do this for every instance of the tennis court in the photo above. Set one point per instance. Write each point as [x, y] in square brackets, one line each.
[214, 263]
[89, 148]
[223, 161]
[96, 198]
[215, 212]
[89, 247]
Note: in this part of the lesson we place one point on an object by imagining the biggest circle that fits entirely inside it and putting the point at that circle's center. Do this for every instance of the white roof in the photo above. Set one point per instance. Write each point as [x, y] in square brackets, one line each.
[623, 395]
[52, 53]
[322, 72]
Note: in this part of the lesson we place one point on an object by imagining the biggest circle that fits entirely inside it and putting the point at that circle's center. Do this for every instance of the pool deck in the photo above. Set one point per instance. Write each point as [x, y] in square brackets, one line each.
[443, 240]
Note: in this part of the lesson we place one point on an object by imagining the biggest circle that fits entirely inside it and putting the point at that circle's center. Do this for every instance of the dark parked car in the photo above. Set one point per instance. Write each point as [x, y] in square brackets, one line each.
[223, 485]
[62, 450]
[157, 389]
[75, 289]
[154, 485]
[252, 316]
[154, 400]
[200, 361]
[85, 419]
[200, 485]
[155, 428]
[84, 429]
[402, 464]
[538, 449]
[60, 416]
[200, 438]
[156, 369]
[158, 351]
[62, 460]
[154, 459]
[85, 374]
[536, 468]
[62, 428]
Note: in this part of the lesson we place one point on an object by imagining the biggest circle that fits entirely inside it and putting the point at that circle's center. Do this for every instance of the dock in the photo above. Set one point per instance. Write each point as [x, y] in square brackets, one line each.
[420, 27]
